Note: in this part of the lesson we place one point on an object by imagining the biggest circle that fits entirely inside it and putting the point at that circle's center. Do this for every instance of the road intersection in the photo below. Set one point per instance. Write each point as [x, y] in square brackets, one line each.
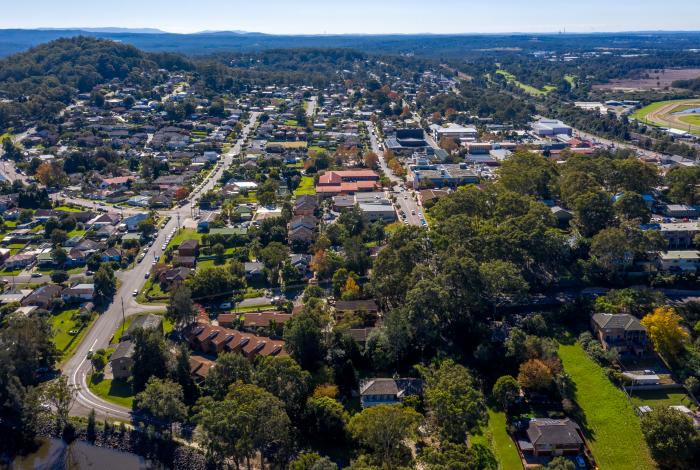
[124, 304]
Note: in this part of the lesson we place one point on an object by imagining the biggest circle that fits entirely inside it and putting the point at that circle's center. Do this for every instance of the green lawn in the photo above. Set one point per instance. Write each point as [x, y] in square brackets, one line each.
[291, 122]
[255, 308]
[63, 324]
[571, 80]
[154, 290]
[306, 187]
[115, 391]
[185, 234]
[13, 272]
[693, 119]
[529, 89]
[658, 398]
[167, 326]
[295, 144]
[68, 209]
[612, 428]
[496, 437]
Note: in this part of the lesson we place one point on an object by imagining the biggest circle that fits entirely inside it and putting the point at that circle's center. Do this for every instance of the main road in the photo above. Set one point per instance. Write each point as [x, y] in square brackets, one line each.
[406, 200]
[124, 304]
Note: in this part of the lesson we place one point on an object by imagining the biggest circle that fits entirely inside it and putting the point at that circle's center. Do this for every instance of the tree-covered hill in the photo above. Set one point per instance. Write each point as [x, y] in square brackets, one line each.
[42, 80]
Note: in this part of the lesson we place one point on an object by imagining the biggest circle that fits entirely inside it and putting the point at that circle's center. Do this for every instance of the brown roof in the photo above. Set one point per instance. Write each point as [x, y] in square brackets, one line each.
[264, 318]
[226, 318]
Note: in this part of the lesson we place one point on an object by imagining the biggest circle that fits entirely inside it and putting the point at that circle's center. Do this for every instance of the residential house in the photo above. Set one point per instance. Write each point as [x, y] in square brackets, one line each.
[678, 234]
[550, 437]
[301, 229]
[217, 339]
[681, 211]
[621, 331]
[387, 391]
[305, 205]
[110, 254]
[174, 275]
[254, 270]
[343, 307]
[79, 293]
[185, 262]
[102, 220]
[43, 296]
[189, 248]
[200, 367]
[146, 322]
[122, 360]
[132, 222]
[679, 261]
[264, 319]
[19, 261]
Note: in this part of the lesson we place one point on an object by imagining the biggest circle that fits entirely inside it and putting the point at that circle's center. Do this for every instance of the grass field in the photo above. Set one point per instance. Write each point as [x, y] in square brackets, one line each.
[185, 234]
[657, 398]
[693, 119]
[62, 325]
[612, 429]
[571, 80]
[153, 289]
[291, 145]
[496, 437]
[115, 391]
[67, 209]
[167, 327]
[642, 112]
[529, 89]
[306, 187]
[647, 115]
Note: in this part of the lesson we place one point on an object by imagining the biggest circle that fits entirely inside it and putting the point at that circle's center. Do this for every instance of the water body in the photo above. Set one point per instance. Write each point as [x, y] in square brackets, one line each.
[689, 111]
[54, 454]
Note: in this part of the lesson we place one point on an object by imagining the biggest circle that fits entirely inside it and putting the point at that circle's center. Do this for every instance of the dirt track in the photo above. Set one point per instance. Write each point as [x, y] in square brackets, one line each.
[664, 117]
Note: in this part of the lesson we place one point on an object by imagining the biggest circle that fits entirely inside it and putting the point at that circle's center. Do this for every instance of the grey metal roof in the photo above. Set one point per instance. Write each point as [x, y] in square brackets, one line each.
[623, 321]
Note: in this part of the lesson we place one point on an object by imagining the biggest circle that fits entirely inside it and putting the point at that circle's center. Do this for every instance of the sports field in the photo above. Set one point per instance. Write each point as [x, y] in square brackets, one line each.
[676, 114]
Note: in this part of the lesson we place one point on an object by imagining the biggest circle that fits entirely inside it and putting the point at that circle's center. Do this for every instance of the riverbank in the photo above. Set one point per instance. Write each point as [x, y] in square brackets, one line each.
[112, 446]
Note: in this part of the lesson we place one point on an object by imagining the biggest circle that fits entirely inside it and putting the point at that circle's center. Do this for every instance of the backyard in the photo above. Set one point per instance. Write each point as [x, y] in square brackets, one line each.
[167, 327]
[612, 429]
[496, 437]
[306, 187]
[63, 324]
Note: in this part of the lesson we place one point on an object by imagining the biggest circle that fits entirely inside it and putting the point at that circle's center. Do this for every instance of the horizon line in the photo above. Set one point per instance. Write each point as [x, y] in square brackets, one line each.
[156, 30]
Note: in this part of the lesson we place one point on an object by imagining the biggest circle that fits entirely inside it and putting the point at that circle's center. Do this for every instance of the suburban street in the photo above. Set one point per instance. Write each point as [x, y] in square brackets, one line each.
[124, 304]
[311, 107]
[405, 198]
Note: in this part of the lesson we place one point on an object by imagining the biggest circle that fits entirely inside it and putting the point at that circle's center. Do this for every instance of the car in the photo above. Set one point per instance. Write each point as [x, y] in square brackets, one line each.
[405, 196]
[146, 275]
[225, 305]
[163, 247]
[413, 212]
[580, 462]
[135, 293]
[36, 274]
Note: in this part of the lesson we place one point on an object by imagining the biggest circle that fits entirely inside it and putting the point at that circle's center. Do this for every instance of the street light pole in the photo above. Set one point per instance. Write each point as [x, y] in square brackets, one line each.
[123, 319]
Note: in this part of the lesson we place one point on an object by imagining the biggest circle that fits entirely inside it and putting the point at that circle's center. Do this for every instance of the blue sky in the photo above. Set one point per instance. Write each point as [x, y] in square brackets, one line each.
[358, 16]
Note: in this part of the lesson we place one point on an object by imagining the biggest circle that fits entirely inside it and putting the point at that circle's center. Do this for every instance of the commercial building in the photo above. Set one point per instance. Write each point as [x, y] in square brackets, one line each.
[453, 131]
[440, 176]
[550, 128]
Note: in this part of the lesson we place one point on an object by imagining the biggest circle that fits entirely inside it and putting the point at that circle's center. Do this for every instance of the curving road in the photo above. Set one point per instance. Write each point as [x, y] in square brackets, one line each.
[124, 304]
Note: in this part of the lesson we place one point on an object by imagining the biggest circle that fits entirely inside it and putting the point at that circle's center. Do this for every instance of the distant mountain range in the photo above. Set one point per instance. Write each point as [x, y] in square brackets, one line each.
[436, 46]
[109, 30]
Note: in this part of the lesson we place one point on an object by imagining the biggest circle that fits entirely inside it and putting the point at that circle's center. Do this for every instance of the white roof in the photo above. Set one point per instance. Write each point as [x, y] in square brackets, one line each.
[680, 254]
